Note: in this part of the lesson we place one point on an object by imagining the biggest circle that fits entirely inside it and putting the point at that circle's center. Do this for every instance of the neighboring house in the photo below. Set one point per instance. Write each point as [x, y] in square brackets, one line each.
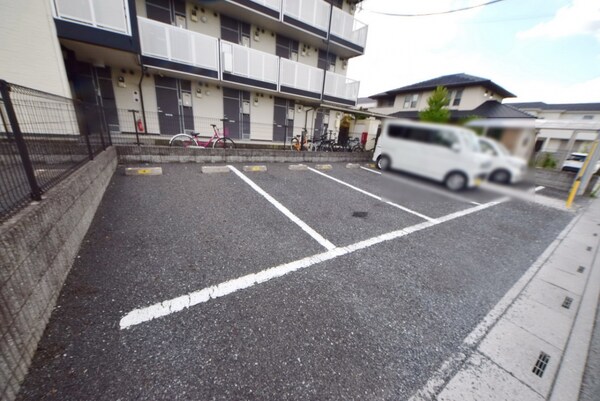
[366, 103]
[267, 67]
[556, 141]
[470, 97]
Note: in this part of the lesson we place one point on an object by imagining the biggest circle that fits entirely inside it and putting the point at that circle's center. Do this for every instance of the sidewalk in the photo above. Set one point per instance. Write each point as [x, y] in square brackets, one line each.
[534, 345]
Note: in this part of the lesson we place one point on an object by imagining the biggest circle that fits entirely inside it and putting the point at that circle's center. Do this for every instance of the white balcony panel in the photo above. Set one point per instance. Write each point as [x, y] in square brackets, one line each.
[345, 26]
[339, 86]
[177, 44]
[311, 12]
[300, 76]
[112, 15]
[249, 63]
[272, 4]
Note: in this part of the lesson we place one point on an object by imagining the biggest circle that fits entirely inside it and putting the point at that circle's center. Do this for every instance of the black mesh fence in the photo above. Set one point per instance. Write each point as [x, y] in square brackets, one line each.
[43, 138]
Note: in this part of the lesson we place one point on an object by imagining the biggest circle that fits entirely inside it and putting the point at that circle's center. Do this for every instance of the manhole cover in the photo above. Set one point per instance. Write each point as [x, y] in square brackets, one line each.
[362, 215]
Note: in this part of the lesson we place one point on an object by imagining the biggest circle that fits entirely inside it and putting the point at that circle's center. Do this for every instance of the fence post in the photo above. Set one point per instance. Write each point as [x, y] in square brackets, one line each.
[36, 192]
[102, 123]
[82, 121]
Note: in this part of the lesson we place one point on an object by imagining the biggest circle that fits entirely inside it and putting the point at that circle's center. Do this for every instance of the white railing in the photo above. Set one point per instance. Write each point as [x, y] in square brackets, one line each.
[249, 63]
[345, 26]
[311, 12]
[339, 86]
[111, 15]
[177, 44]
[272, 4]
[300, 76]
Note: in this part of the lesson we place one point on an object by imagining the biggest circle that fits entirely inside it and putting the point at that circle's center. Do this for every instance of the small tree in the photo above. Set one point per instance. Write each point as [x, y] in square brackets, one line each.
[437, 110]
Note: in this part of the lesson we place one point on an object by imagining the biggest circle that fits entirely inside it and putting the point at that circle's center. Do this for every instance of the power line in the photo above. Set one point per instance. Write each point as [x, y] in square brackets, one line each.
[430, 14]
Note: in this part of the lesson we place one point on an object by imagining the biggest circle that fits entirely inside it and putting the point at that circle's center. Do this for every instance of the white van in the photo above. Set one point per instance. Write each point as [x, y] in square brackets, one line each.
[506, 169]
[444, 153]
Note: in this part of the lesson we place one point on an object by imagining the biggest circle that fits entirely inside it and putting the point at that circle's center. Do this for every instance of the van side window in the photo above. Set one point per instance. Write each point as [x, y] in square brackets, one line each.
[397, 131]
[411, 133]
[445, 138]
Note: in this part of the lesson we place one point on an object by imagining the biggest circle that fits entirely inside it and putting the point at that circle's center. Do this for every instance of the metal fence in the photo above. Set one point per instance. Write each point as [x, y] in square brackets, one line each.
[43, 138]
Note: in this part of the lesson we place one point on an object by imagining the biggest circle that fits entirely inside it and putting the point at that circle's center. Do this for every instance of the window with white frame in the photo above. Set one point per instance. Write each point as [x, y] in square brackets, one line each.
[410, 101]
[457, 97]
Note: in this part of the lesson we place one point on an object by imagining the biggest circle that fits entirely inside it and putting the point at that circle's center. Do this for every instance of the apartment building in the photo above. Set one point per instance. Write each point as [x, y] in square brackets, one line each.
[555, 140]
[268, 68]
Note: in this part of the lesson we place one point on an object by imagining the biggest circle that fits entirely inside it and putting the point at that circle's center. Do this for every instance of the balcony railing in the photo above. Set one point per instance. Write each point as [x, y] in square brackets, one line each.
[340, 87]
[111, 15]
[311, 13]
[297, 78]
[348, 28]
[272, 4]
[177, 44]
[249, 63]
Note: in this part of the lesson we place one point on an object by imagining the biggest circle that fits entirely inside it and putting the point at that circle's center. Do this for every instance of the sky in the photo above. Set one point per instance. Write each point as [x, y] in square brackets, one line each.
[540, 50]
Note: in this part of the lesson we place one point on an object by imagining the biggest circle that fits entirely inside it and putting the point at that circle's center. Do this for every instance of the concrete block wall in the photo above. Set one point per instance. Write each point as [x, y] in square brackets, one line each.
[37, 249]
[562, 180]
[165, 154]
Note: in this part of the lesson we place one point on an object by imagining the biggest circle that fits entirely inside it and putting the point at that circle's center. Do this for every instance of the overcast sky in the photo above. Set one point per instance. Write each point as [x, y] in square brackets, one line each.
[540, 50]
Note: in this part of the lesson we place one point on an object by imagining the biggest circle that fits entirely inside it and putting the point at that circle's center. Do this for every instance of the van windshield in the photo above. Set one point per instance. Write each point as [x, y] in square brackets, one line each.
[471, 141]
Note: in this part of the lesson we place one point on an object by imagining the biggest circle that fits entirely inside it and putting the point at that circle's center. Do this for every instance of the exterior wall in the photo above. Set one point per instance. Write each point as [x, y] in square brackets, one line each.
[370, 126]
[261, 116]
[30, 53]
[44, 239]
[211, 27]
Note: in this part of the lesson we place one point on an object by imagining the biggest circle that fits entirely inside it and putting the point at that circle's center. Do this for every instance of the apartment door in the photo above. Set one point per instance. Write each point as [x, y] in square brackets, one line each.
[283, 119]
[167, 11]
[318, 127]
[236, 109]
[235, 31]
[174, 105]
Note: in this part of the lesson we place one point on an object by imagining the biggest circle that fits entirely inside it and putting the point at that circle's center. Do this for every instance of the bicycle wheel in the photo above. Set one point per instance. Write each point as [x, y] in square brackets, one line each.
[295, 144]
[224, 143]
[182, 141]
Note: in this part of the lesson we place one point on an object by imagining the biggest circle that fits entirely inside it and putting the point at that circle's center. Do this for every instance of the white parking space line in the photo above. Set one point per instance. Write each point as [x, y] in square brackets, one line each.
[379, 198]
[371, 170]
[318, 237]
[539, 188]
[141, 315]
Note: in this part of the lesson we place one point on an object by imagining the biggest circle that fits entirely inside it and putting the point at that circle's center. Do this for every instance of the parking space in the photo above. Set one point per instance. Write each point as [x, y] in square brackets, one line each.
[253, 306]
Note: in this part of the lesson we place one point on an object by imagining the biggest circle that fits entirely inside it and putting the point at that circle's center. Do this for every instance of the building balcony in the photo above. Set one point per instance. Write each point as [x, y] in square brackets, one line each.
[170, 47]
[339, 89]
[347, 31]
[271, 8]
[243, 65]
[309, 15]
[100, 22]
[300, 79]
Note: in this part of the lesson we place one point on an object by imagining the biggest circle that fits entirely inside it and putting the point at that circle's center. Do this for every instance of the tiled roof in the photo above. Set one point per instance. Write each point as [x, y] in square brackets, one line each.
[558, 106]
[449, 81]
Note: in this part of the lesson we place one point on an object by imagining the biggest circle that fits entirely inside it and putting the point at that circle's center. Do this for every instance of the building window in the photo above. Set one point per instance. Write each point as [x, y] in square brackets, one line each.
[410, 101]
[588, 117]
[457, 97]
[385, 102]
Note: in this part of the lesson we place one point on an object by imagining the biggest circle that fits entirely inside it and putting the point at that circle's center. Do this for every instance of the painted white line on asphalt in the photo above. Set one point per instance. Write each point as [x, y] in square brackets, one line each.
[316, 236]
[362, 191]
[539, 188]
[441, 377]
[178, 304]
[371, 170]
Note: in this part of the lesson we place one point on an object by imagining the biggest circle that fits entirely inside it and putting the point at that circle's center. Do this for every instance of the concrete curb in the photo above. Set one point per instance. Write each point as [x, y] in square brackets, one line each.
[298, 167]
[352, 165]
[323, 166]
[215, 169]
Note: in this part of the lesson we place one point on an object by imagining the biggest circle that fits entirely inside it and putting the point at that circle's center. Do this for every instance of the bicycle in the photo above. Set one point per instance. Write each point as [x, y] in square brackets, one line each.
[192, 140]
[297, 143]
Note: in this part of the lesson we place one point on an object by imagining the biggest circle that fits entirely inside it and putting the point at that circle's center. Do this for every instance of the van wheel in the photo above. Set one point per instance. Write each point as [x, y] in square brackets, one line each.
[501, 176]
[455, 181]
[383, 163]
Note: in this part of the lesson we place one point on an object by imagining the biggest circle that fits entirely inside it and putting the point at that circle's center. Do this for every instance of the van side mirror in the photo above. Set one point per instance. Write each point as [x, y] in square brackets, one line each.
[455, 147]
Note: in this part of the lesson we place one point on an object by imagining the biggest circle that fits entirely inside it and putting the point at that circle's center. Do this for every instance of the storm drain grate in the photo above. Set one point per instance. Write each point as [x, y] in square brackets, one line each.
[362, 215]
[580, 269]
[540, 364]
[567, 302]
[589, 248]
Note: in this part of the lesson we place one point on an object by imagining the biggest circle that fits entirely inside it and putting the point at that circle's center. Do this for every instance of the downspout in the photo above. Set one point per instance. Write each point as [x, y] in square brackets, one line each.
[327, 53]
[143, 71]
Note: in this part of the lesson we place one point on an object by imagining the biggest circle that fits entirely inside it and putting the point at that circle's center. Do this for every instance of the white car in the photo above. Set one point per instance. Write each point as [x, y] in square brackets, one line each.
[506, 168]
[444, 153]
[575, 162]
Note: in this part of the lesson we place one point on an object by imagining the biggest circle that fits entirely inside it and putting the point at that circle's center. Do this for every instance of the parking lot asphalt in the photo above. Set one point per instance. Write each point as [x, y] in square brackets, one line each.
[373, 323]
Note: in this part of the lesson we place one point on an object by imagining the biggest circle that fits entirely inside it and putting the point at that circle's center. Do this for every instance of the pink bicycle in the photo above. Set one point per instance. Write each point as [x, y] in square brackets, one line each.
[217, 140]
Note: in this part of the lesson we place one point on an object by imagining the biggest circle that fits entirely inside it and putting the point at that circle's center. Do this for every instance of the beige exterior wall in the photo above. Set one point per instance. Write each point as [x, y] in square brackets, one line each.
[29, 50]
[261, 116]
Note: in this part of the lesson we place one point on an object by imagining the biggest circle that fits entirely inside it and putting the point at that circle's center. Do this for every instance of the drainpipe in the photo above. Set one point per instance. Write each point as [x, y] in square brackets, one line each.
[143, 70]
[327, 52]
[303, 136]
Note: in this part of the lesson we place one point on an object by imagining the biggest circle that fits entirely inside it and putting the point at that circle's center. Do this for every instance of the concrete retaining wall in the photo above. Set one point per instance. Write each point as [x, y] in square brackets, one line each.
[166, 154]
[562, 180]
[38, 246]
